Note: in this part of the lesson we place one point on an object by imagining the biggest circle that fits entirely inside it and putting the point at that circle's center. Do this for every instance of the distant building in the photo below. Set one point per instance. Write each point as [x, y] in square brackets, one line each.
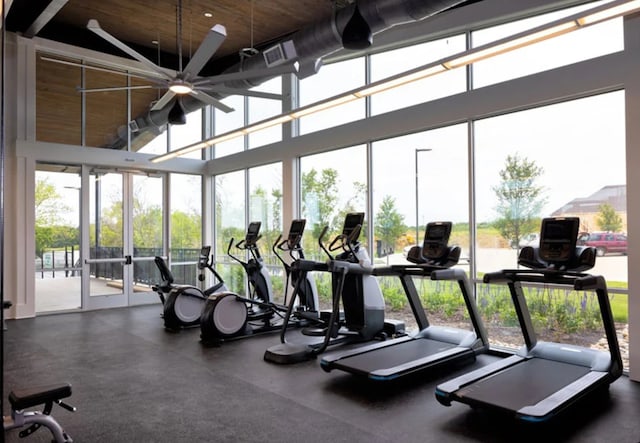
[587, 208]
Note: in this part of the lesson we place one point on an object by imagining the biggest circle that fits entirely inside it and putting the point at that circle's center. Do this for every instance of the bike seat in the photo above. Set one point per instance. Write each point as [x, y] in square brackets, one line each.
[26, 398]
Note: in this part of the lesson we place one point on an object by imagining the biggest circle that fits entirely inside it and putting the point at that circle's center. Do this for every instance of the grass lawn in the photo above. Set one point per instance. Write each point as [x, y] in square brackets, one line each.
[619, 302]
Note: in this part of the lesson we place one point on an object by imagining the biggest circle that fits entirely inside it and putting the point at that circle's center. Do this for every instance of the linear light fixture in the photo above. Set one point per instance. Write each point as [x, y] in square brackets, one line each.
[550, 30]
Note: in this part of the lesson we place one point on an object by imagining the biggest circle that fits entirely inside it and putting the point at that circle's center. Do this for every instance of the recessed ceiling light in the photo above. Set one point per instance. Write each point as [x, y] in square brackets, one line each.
[154, 42]
[208, 14]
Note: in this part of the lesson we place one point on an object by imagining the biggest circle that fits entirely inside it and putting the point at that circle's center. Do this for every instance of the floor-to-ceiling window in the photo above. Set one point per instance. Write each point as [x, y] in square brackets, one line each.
[417, 179]
[566, 159]
[265, 206]
[332, 184]
[230, 226]
[185, 226]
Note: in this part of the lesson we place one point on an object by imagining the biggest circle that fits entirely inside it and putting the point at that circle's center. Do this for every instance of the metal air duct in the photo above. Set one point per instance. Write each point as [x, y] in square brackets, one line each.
[311, 43]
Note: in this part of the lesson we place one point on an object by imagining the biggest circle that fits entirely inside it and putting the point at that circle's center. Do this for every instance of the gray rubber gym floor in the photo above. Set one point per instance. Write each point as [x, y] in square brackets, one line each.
[134, 382]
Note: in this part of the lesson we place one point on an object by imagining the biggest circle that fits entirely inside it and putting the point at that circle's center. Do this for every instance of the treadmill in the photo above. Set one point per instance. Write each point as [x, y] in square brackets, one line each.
[543, 378]
[433, 346]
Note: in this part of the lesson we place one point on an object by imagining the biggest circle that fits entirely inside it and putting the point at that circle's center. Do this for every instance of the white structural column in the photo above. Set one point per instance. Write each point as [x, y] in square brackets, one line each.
[632, 98]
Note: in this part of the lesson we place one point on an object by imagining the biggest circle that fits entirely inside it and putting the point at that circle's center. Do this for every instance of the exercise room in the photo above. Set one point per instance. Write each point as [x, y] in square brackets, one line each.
[320, 220]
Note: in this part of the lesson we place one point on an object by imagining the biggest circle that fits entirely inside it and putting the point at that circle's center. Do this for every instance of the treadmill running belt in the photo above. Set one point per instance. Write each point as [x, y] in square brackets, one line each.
[524, 384]
[392, 356]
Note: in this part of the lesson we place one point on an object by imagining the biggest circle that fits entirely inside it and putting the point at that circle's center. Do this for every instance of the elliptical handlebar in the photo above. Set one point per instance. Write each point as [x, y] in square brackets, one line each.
[321, 243]
[279, 245]
[233, 256]
[341, 241]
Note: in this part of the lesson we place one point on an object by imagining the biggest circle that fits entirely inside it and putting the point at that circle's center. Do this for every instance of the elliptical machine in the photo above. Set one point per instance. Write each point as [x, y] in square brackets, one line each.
[308, 297]
[228, 316]
[362, 317]
[183, 304]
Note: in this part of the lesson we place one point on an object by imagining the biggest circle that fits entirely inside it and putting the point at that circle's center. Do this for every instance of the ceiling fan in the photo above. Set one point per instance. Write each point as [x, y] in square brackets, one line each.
[187, 82]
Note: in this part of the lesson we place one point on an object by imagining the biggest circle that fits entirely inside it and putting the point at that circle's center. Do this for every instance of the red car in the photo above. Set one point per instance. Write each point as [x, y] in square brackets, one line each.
[604, 242]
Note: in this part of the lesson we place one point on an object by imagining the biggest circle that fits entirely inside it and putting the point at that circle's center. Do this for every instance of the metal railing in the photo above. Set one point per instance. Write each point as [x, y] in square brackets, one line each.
[107, 263]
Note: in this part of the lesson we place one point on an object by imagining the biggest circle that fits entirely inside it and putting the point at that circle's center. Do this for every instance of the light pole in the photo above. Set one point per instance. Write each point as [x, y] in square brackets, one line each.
[418, 150]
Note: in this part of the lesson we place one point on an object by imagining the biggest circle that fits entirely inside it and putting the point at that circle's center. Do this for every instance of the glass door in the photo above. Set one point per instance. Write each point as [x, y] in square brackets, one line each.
[126, 231]
[106, 266]
[148, 229]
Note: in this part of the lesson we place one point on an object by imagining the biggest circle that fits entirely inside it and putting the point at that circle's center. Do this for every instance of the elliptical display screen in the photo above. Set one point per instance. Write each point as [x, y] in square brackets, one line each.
[353, 221]
[252, 233]
[436, 239]
[203, 259]
[295, 232]
[558, 238]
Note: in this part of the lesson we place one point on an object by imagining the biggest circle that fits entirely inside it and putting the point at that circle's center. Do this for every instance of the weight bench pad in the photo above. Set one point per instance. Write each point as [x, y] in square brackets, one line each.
[26, 398]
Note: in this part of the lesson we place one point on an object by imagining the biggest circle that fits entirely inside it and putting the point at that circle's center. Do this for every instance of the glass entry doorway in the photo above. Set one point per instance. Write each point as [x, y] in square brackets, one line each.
[125, 234]
[96, 235]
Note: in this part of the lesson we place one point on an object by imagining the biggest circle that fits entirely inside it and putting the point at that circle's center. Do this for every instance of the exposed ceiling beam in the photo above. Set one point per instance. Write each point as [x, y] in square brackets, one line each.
[44, 18]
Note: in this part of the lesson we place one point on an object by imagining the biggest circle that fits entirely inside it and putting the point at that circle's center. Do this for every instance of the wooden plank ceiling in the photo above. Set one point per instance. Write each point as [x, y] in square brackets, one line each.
[149, 27]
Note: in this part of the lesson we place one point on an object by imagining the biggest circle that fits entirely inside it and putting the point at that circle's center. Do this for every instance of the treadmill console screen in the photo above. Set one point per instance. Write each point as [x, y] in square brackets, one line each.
[353, 221]
[436, 239]
[252, 233]
[203, 259]
[558, 238]
[295, 232]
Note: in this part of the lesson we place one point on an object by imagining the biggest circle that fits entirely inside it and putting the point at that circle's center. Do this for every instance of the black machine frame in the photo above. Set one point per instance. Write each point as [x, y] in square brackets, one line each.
[433, 346]
[543, 378]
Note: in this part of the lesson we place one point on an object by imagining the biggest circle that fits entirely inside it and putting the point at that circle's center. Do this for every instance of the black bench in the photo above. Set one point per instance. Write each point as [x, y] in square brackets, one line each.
[27, 398]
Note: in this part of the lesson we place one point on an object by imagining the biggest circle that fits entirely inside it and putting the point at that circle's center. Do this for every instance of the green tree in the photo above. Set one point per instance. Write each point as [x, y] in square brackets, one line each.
[389, 223]
[276, 207]
[355, 203]
[185, 230]
[520, 198]
[319, 197]
[48, 207]
[608, 219]
[111, 227]
[147, 225]
[49, 204]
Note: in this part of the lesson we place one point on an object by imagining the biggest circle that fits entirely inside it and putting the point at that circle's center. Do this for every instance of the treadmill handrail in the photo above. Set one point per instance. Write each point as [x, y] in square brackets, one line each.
[579, 280]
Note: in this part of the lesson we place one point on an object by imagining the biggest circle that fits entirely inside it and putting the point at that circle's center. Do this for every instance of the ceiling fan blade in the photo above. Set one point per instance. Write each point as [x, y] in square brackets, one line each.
[244, 75]
[163, 101]
[244, 92]
[206, 98]
[115, 88]
[205, 51]
[94, 27]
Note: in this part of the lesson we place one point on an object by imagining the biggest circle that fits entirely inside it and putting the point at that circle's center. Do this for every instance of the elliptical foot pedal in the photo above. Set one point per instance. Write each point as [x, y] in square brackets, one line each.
[288, 353]
[314, 331]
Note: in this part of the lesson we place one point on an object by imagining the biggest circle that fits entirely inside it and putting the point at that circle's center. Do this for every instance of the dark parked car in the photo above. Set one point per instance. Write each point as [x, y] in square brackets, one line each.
[604, 242]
